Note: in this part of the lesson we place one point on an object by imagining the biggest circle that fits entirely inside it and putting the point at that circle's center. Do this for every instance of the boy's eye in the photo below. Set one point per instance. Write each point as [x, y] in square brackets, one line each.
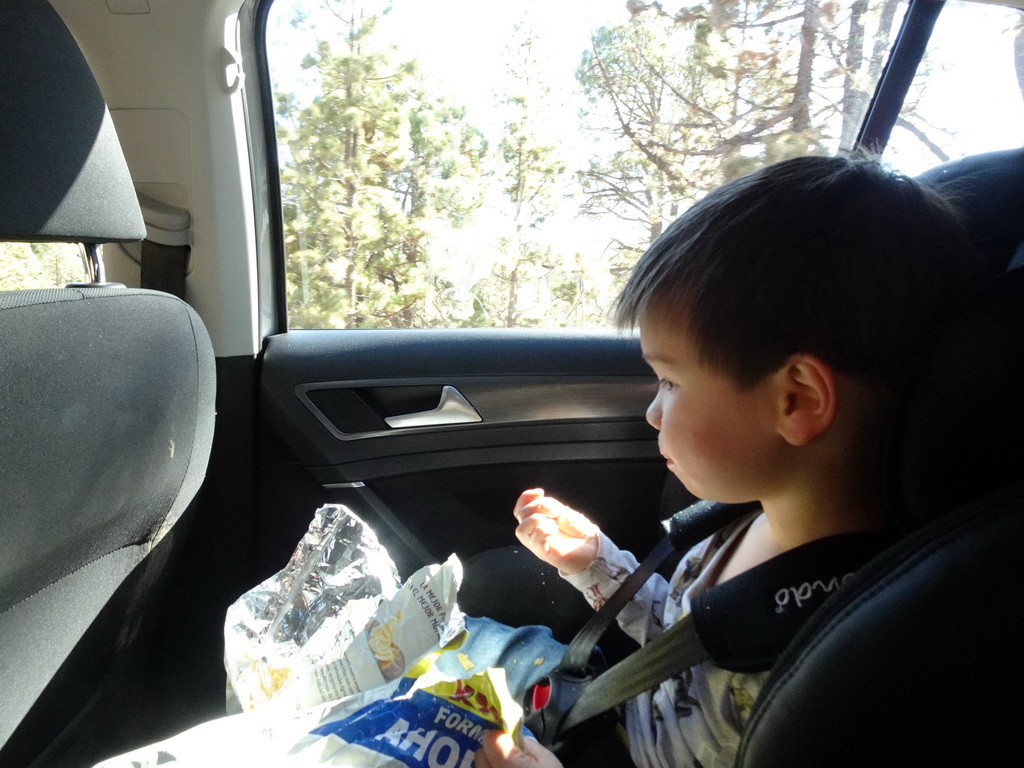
[665, 384]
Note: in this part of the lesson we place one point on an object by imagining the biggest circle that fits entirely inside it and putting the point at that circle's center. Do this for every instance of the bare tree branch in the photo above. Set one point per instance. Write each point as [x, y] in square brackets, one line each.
[627, 127]
[921, 136]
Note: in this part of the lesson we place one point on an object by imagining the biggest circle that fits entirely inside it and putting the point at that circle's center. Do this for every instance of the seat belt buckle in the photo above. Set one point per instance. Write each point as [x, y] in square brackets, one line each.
[547, 703]
[541, 694]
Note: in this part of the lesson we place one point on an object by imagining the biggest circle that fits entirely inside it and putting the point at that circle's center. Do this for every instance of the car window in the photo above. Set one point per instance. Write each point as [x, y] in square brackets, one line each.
[967, 96]
[39, 265]
[443, 167]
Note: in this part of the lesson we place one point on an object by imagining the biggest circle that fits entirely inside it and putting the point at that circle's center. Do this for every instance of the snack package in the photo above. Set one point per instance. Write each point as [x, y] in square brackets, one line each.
[338, 665]
[430, 721]
[334, 621]
[423, 720]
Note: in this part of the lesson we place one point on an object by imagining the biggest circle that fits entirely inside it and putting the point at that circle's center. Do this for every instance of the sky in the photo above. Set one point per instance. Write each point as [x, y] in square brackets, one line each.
[971, 89]
[457, 37]
[459, 43]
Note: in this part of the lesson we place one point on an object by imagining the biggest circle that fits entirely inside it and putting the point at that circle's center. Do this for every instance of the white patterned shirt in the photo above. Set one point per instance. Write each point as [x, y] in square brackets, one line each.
[694, 719]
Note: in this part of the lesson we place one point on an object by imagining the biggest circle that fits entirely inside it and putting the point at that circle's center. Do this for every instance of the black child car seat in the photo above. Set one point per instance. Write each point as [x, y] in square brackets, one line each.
[918, 660]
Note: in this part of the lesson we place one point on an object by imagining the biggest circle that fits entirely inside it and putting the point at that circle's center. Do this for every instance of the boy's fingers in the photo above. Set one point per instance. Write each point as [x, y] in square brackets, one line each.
[481, 760]
[530, 532]
[500, 744]
[539, 756]
[568, 520]
[552, 520]
[498, 750]
[539, 527]
[541, 505]
[526, 498]
[575, 524]
[539, 508]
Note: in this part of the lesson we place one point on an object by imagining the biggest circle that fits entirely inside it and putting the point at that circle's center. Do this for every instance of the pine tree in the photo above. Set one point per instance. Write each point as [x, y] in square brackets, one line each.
[371, 162]
[529, 282]
[39, 265]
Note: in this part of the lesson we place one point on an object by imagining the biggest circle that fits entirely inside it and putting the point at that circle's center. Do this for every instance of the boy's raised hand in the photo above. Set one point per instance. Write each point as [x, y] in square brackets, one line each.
[557, 534]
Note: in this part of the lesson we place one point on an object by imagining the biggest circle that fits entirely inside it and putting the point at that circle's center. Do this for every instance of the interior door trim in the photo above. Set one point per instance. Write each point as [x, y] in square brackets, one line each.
[504, 400]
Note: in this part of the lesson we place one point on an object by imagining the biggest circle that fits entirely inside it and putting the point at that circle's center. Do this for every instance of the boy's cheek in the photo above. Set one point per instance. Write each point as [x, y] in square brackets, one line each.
[700, 451]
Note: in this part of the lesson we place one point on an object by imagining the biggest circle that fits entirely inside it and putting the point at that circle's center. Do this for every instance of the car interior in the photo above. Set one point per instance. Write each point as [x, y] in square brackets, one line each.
[165, 436]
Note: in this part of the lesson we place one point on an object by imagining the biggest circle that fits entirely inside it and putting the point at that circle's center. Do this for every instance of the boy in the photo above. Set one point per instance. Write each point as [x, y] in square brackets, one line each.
[779, 314]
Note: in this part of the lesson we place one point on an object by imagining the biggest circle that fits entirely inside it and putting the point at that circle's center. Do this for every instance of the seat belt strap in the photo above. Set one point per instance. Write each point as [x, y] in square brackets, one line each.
[685, 529]
[577, 655]
[163, 267]
[670, 653]
[742, 625]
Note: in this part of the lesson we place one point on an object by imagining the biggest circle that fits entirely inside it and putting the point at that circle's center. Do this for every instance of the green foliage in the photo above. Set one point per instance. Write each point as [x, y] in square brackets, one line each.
[399, 212]
[712, 92]
[531, 283]
[39, 265]
[375, 164]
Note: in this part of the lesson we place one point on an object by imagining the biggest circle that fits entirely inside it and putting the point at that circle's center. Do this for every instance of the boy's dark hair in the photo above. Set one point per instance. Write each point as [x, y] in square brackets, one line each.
[831, 256]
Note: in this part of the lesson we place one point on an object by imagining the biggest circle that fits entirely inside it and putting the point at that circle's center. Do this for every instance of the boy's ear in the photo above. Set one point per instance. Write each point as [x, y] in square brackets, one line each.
[806, 398]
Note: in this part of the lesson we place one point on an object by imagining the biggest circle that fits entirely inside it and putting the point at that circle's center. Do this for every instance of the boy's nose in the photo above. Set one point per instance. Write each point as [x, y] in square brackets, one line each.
[654, 414]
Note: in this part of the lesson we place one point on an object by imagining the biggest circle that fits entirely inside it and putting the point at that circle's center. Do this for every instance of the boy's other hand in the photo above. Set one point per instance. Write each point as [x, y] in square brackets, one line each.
[557, 534]
[499, 751]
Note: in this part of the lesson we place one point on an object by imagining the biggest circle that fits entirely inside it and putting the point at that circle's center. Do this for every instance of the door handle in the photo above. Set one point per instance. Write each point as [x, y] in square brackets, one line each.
[454, 408]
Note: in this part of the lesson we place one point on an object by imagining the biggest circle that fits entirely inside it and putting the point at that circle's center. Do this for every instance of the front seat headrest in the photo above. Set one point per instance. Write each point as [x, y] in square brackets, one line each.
[68, 182]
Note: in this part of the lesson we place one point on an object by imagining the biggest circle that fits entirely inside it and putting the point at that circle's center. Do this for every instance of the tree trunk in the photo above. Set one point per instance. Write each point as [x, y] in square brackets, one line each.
[801, 107]
[854, 99]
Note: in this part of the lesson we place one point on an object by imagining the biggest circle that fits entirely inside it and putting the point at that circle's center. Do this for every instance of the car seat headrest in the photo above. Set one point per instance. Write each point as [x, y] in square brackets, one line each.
[958, 432]
[988, 189]
[70, 181]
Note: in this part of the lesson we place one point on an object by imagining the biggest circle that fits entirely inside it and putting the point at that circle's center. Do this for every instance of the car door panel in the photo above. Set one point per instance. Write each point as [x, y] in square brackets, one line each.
[561, 410]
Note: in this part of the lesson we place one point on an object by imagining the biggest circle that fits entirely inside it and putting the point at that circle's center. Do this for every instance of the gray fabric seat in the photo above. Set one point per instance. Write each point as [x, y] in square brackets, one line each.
[106, 419]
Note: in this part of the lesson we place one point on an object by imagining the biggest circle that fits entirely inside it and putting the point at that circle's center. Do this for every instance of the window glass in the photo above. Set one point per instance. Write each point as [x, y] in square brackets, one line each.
[967, 96]
[39, 265]
[446, 164]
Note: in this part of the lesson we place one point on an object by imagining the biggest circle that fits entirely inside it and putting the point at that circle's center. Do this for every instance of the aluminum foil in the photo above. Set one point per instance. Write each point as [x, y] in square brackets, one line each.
[336, 620]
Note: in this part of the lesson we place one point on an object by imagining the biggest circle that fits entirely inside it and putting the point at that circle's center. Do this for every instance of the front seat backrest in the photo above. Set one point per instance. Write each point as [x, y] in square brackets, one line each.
[106, 417]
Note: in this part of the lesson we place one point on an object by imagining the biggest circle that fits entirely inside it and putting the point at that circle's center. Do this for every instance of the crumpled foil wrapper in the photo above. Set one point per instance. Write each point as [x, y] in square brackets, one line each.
[313, 626]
